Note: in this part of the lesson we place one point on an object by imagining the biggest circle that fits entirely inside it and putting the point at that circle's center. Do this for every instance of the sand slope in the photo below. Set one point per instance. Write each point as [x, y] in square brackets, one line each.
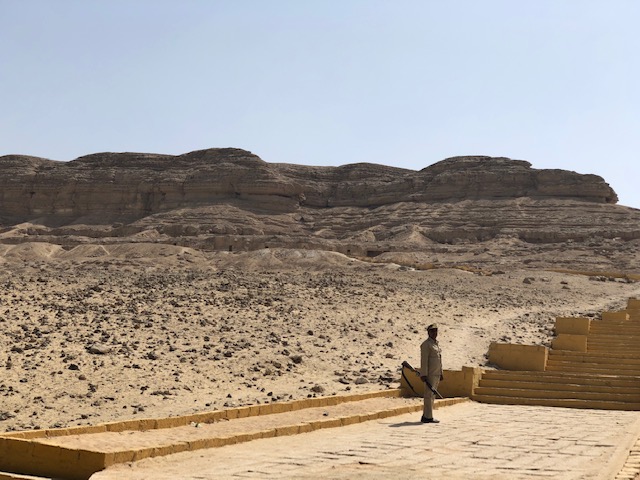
[96, 333]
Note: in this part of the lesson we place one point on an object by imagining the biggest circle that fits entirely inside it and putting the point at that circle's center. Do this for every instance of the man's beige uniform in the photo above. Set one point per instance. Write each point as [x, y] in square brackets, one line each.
[431, 366]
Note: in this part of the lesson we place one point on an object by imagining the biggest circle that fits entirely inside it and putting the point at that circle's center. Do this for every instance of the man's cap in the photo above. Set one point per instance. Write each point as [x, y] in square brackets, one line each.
[433, 326]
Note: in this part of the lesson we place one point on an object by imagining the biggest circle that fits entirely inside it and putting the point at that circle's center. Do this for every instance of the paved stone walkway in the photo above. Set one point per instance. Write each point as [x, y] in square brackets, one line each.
[473, 441]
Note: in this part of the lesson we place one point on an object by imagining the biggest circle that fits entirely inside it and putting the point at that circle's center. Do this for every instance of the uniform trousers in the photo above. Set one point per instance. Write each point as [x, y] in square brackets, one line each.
[429, 396]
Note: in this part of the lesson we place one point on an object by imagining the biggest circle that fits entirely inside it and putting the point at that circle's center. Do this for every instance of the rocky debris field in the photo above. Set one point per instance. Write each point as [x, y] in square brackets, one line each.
[91, 340]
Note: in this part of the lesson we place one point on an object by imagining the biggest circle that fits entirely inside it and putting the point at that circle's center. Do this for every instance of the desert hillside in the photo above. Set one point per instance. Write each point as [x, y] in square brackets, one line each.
[143, 330]
[141, 285]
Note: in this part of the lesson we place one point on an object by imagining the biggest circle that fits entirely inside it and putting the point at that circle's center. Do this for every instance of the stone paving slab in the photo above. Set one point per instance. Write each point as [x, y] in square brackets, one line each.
[473, 440]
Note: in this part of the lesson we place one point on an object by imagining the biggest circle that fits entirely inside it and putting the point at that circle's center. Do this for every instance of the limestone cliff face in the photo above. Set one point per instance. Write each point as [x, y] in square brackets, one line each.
[367, 185]
[232, 192]
[134, 185]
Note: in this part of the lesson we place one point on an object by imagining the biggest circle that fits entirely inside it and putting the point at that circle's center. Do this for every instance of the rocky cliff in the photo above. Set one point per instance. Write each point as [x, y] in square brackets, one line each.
[231, 199]
[134, 185]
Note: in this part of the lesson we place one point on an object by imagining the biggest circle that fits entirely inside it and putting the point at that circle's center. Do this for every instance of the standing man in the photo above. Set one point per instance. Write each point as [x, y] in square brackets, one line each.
[430, 371]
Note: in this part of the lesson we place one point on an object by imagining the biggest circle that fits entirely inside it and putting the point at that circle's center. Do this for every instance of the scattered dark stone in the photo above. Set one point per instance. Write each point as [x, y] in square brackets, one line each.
[98, 349]
[6, 416]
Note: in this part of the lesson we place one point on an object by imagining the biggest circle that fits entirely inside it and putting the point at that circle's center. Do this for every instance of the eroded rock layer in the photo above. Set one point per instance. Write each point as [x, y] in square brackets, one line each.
[230, 199]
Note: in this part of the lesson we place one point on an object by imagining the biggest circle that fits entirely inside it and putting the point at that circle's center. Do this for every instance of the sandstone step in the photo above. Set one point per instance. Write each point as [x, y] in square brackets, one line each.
[630, 346]
[614, 355]
[622, 366]
[561, 378]
[613, 330]
[611, 321]
[610, 329]
[556, 386]
[613, 348]
[558, 394]
[618, 336]
[616, 320]
[621, 336]
[620, 370]
[557, 402]
[631, 319]
[594, 357]
[606, 348]
[603, 327]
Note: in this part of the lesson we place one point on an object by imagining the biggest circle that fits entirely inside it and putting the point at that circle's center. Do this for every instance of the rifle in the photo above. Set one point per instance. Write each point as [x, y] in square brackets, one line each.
[435, 391]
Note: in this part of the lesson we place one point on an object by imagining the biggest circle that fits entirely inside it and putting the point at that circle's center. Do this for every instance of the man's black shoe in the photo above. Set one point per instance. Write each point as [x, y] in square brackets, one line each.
[429, 420]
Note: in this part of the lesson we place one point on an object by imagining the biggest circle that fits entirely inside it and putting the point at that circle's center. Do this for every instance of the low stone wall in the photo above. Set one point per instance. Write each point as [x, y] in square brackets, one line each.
[616, 316]
[573, 325]
[456, 383]
[205, 417]
[25, 456]
[566, 341]
[460, 383]
[518, 357]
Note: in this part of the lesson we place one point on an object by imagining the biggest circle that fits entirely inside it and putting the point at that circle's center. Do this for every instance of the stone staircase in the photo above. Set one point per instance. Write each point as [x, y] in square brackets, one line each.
[592, 364]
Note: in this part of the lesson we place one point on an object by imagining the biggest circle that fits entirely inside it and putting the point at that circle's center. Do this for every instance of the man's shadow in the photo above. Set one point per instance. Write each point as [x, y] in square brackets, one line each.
[405, 424]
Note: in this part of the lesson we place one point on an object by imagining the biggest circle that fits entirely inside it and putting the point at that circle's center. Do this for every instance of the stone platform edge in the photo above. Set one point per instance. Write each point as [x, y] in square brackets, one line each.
[23, 454]
[204, 417]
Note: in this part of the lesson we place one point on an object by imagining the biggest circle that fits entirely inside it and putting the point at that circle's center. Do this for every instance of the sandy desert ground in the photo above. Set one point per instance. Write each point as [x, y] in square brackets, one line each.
[96, 334]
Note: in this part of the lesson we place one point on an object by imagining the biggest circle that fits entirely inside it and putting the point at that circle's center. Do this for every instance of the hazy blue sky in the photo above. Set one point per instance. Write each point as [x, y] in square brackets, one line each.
[398, 82]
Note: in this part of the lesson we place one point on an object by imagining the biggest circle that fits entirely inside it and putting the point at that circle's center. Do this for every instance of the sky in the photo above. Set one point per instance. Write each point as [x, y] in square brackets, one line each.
[328, 82]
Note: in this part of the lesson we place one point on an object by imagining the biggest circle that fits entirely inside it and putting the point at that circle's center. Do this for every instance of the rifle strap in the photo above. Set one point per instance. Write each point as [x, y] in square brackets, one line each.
[405, 364]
